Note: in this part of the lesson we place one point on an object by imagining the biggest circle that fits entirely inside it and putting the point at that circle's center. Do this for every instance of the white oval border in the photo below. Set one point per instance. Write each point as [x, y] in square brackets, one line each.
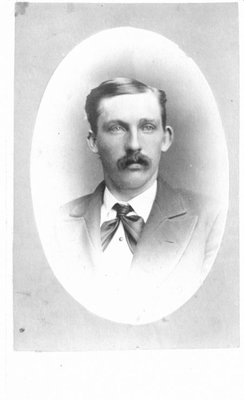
[79, 72]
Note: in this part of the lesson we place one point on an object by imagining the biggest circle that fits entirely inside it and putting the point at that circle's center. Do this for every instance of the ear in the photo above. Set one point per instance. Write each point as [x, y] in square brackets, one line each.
[92, 142]
[168, 138]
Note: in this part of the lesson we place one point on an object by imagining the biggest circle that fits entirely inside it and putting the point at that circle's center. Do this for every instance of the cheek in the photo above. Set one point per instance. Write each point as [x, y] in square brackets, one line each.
[107, 154]
[108, 149]
[154, 148]
[152, 142]
[102, 148]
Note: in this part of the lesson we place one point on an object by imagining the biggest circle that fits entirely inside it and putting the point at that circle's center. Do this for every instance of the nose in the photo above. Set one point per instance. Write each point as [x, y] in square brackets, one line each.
[132, 140]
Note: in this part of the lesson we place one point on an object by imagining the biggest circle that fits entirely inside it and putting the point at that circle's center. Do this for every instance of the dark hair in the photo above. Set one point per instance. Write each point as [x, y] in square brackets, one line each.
[116, 87]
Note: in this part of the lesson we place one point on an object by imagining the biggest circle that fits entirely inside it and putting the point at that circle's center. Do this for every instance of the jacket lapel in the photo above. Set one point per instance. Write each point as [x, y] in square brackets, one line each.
[92, 217]
[84, 230]
[166, 234]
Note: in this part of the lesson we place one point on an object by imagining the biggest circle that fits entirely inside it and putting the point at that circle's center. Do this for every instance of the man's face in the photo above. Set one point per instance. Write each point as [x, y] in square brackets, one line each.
[129, 140]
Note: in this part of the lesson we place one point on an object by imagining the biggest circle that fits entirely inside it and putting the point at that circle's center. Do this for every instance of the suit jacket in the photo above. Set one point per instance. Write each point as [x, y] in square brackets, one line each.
[181, 225]
[177, 247]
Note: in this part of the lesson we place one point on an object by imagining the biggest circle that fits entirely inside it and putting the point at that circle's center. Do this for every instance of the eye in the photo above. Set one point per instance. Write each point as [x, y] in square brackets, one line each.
[148, 128]
[116, 129]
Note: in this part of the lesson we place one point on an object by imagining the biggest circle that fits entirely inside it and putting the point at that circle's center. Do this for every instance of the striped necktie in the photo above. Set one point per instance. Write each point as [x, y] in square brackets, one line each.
[133, 225]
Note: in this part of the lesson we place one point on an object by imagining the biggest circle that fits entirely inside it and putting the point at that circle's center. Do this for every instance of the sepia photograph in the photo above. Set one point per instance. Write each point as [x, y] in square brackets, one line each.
[126, 176]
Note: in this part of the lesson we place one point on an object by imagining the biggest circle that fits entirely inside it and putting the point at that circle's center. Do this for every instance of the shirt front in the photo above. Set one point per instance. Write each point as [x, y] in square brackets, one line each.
[117, 257]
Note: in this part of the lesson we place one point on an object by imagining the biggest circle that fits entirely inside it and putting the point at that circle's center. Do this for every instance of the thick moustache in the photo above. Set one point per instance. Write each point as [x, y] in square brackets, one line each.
[133, 158]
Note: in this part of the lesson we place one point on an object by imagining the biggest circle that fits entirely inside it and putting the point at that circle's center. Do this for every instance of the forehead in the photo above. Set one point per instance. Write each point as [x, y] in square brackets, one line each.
[130, 107]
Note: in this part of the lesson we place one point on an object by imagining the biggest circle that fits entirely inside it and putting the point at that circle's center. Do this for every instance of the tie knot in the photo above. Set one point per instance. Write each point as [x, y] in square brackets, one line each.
[122, 209]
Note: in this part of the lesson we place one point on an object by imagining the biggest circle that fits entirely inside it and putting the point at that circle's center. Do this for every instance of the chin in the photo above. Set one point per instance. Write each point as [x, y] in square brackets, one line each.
[134, 180]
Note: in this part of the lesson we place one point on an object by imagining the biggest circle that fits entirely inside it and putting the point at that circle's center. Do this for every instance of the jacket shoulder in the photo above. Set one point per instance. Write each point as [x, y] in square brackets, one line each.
[75, 208]
[200, 204]
[187, 200]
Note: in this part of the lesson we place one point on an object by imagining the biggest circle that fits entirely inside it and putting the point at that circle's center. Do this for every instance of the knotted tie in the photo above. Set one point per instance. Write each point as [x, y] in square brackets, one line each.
[132, 224]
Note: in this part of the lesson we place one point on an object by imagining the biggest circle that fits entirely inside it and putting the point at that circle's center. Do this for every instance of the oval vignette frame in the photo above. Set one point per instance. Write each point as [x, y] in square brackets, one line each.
[63, 169]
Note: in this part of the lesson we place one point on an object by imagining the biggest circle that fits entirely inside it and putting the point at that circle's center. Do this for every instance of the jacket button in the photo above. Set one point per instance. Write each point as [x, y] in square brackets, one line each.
[121, 238]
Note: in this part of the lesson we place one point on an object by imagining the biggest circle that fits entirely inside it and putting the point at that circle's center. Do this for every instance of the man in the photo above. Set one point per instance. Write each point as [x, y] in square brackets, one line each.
[135, 224]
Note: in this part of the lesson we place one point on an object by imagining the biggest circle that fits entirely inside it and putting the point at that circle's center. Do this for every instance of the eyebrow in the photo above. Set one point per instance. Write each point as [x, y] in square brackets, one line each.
[148, 121]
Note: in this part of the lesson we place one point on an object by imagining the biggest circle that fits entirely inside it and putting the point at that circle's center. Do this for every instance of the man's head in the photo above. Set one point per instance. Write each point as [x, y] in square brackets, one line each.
[117, 87]
[128, 131]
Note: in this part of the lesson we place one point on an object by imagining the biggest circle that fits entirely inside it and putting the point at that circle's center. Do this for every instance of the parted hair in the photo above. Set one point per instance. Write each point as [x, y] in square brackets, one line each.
[117, 87]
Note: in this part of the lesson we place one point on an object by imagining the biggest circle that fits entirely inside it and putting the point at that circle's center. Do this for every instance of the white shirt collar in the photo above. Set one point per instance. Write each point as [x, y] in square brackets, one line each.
[141, 204]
